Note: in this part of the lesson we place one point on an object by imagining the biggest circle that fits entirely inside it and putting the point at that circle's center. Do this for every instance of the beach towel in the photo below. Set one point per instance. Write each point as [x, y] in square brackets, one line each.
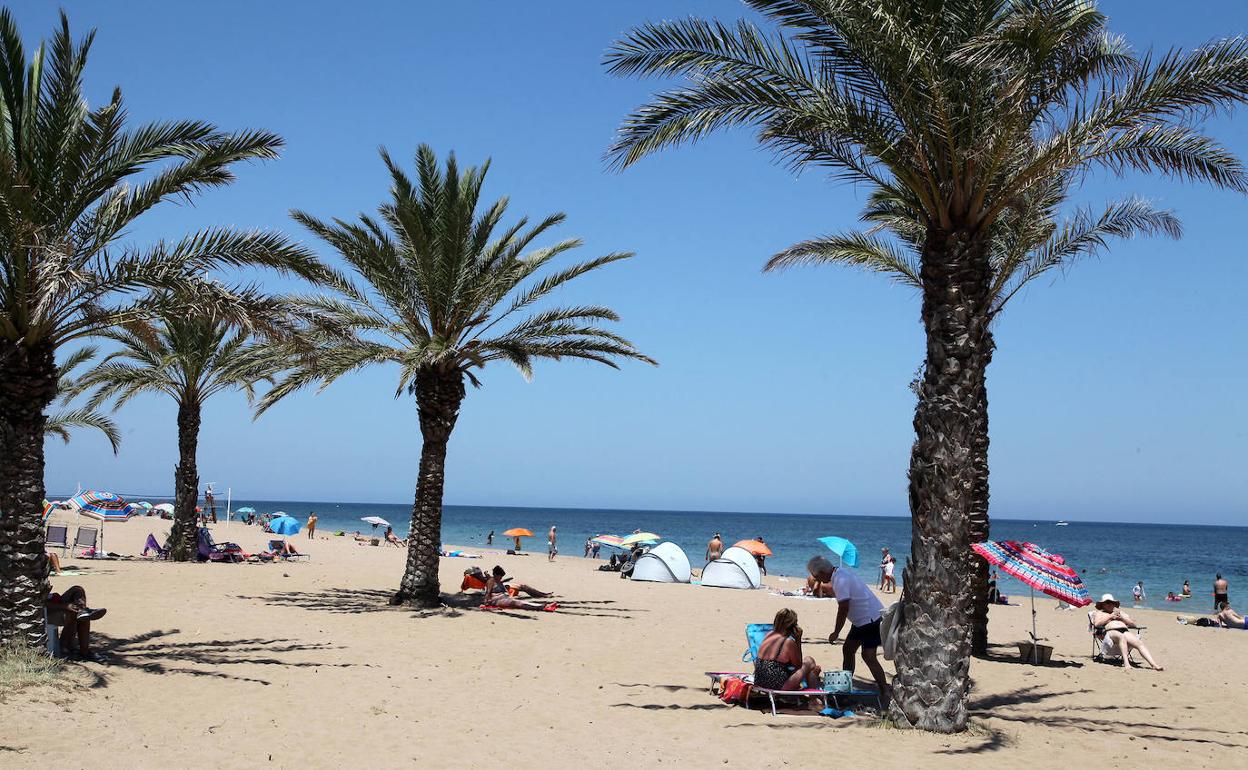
[471, 581]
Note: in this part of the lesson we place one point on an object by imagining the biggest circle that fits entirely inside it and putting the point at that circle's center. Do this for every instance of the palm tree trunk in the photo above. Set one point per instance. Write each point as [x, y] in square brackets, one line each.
[438, 396]
[979, 506]
[27, 386]
[185, 543]
[933, 658]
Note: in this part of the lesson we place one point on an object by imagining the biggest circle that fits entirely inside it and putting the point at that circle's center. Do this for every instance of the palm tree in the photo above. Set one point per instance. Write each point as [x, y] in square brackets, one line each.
[73, 180]
[1029, 241]
[443, 293]
[189, 357]
[961, 108]
[67, 418]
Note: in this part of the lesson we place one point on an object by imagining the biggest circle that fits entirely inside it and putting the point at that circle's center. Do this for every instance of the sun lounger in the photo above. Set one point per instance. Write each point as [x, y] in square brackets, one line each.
[58, 537]
[827, 697]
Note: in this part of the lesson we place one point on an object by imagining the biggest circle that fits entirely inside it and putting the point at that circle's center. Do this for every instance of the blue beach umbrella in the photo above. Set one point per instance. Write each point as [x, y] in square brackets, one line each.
[284, 525]
[842, 548]
[246, 509]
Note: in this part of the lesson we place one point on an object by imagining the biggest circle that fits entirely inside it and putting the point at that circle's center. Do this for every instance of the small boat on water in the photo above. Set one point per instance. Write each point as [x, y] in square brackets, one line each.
[1063, 524]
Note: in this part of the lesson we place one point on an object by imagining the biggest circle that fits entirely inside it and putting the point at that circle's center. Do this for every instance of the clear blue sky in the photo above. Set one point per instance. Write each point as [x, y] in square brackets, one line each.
[1118, 391]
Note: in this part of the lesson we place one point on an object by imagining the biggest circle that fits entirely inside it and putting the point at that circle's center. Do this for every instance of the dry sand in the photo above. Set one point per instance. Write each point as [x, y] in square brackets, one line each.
[303, 665]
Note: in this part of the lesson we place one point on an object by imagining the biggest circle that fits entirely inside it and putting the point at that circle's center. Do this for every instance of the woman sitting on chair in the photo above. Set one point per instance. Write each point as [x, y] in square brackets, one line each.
[779, 664]
[1112, 628]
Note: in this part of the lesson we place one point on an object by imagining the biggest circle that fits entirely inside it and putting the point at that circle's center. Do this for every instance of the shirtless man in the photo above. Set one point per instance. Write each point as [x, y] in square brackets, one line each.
[714, 548]
[1220, 592]
[551, 549]
[1230, 618]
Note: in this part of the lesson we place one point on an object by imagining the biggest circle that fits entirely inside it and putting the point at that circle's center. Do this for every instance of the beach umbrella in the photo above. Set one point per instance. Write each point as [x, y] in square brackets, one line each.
[612, 541]
[47, 510]
[111, 507]
[517, 533]
[376, 521]
[753, 546]
[275, 514]
[847, 551]
[246, 509]
[164, 508]
[1041, 570]
[640, 537]
[284, 525]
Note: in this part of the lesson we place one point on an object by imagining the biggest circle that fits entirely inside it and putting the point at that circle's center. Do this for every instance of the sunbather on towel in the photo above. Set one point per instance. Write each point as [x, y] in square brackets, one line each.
[817, 589]
[1113, 627]
[779, 664]
[498, 593]
[70, 611]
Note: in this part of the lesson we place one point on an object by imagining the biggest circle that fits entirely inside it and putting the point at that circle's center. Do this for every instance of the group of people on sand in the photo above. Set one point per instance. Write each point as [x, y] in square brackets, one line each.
[780, 663]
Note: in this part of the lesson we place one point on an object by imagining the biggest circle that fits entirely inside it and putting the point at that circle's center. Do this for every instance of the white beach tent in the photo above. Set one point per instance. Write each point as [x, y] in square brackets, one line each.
[735, 568]
[664, 563]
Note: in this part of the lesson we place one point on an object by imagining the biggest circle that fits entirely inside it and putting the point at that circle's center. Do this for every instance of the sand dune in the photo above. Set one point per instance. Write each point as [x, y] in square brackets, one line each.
[304, 665]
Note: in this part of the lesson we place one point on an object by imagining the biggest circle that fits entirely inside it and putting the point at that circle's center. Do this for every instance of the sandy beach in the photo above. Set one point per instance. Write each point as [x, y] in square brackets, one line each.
[304, 665]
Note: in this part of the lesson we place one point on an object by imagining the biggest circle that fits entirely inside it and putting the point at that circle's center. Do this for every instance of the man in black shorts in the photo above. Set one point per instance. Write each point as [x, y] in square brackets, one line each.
[1220, 595]
[855, 603]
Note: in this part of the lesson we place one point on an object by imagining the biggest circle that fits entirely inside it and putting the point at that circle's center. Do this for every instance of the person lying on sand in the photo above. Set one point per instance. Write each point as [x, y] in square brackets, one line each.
[1112, 627]
[779, 664]
[499, 594]
[817, 589]
[1229, 618]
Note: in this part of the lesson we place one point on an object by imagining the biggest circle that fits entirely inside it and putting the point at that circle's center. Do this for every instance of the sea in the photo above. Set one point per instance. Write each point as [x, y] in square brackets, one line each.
[1110, 557]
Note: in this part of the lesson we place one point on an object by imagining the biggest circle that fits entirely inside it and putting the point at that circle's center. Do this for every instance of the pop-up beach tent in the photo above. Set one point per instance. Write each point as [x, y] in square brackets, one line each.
[664, 563]
[735, 568]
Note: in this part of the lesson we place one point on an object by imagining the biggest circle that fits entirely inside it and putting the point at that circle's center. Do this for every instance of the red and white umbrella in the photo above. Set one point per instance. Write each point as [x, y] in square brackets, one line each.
[1041, 570]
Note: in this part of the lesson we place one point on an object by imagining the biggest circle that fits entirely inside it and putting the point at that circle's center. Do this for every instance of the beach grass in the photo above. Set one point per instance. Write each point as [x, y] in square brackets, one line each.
[22, 667]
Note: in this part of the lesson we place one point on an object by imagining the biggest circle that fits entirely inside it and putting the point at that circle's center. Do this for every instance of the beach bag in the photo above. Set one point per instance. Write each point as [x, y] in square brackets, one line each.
[736, 690]
[890, 626]
[838, 681]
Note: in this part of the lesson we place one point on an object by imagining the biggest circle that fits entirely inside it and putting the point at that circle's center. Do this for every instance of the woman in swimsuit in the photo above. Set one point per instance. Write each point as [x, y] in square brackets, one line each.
[497, 593]
[1230, 618]
[1113, 627]
[779, 664]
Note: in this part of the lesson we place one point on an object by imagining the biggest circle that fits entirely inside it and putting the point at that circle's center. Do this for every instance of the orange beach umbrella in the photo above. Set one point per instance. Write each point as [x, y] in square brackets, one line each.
[754, 547]
[517, 532]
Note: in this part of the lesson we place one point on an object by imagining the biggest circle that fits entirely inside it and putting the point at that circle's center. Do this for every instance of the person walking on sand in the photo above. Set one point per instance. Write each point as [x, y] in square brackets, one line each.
[883, 563]
[714, 548]
[312, 525]
[552, 550]
[1221, 592]
[890, 582]
[856, 603]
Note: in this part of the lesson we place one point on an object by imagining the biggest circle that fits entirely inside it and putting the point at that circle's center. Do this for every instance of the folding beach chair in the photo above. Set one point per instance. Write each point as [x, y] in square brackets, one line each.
[153, 548]
[58, 537]
[87, 538]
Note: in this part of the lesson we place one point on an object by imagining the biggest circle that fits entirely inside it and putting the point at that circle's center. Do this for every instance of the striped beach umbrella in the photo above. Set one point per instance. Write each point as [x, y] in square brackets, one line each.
[47, 510]
[614, 541]
[1041, 570]
[106, 504]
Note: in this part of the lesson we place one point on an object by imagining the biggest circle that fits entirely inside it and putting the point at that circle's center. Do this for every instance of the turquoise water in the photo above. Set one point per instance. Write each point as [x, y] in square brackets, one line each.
[1111, 557]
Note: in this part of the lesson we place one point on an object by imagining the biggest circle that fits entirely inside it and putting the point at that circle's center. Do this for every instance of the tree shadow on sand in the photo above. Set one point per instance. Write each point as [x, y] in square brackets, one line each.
[152, 653]
[354, 601]
[1122, 719]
